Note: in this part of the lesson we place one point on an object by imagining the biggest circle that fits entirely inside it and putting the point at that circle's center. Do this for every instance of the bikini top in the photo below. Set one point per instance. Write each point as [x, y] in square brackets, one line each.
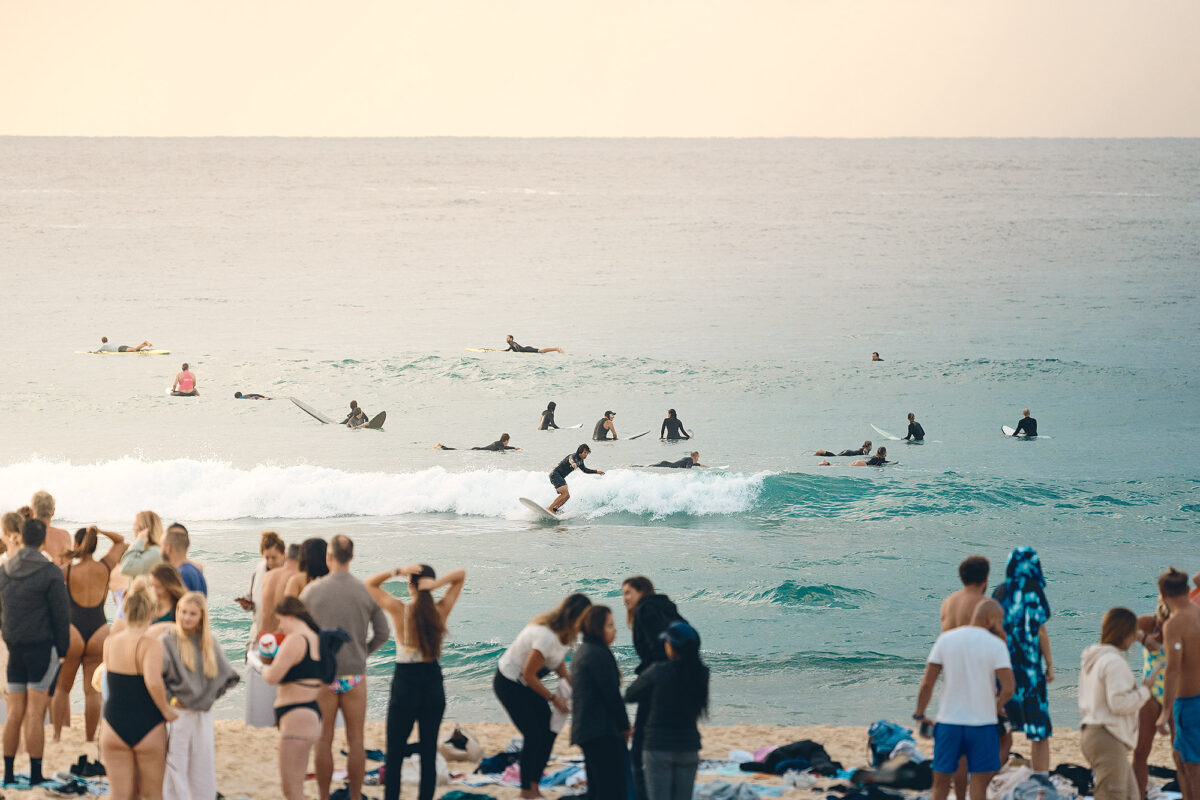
[306, 669]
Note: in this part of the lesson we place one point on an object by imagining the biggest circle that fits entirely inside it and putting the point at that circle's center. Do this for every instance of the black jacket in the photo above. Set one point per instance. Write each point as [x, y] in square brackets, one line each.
[651, 616]
[597, 710]
[671, 723]
[33, 602]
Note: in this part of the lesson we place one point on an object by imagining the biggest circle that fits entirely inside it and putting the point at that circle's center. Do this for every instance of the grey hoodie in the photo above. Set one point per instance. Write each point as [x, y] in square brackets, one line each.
[33, 601]
[195, 691]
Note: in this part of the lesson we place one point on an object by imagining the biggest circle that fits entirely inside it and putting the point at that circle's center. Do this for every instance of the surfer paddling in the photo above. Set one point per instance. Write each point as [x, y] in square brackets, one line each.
[105, 347]
[558, 478]
[516, 348]
[692, 460]
[865, 450]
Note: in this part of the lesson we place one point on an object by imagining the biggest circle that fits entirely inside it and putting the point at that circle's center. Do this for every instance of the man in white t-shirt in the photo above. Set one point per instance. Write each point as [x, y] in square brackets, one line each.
[974, 659]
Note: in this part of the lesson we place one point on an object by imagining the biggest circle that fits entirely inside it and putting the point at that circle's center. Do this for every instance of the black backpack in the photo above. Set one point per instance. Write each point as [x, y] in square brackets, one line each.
[330, 642]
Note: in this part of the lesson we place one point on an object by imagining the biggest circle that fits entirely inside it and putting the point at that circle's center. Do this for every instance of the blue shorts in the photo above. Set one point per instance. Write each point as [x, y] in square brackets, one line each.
[979, 743]
[1187, 728]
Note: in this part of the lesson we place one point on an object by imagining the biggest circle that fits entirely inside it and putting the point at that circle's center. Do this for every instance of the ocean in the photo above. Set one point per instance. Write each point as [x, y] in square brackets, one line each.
[744, 283]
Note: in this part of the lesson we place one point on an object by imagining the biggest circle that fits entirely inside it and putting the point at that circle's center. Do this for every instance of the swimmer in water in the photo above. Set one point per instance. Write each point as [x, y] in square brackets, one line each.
[357, 417]
[877, 460]
[865, 450]
[558, 478]
[185, 383]
[692, 460]
[875, 357]
[251, 396]
[672, 429]
[605, 426]
[105, 347]
[496, 446]
[915, 432]
[516, 348]
[547, 420]
[1027, 426]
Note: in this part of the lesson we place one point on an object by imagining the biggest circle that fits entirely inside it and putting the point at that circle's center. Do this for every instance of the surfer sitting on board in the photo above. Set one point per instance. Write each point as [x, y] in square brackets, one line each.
[558, 478]
[1027, 426]
[105, 347]
[877, 460]
[496, 446]
[865, 450]
[692, 460]
[516, 348]
[357, 417]
[547, 420]
[251, 396]
[604, 426]
[185, 383]
[672, 429]
[915, 432]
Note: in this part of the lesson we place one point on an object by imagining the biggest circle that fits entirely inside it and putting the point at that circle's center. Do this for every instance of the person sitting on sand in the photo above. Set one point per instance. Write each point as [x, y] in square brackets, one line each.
[974, 659]
[496, 446]
[692, 460]
[251, 396]
[915, 432]
[185, 383]
[105, 347]
[1027, 426]
[865, 450]
[877, 460]
[357, 417]
[516, 348]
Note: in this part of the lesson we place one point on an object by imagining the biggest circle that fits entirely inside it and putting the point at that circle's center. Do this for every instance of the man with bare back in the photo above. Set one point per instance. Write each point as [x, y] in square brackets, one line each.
[1181, 693]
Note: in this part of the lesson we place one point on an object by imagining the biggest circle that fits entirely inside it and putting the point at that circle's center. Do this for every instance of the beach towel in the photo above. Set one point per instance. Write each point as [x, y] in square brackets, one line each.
[722, 790]
[459, 794]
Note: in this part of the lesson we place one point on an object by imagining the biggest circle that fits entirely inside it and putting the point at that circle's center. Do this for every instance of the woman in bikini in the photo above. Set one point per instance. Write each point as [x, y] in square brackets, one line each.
[87, 587]
[297, 670]
[134, 735]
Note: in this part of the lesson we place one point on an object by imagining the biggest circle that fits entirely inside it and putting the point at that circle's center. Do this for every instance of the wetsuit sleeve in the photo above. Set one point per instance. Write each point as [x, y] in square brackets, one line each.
[663, 430]
[910, 432]
[550, 420]
[579, 465]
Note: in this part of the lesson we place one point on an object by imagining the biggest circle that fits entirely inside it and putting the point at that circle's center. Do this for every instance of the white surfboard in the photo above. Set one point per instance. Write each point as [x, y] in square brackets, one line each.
[573, 427]
[1007, 431]
[543, 514]
[884, 433]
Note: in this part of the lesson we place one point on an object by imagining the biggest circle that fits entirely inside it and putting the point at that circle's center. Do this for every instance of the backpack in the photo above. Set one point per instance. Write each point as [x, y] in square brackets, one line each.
[882, 738]
[330, 642]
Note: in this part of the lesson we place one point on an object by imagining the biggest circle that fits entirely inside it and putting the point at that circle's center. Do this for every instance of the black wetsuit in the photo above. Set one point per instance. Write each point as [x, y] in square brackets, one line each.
[876, 461]
[600, 433]
[683, 463]
[253, 397]
[494, 446]
[915, 432]
[516, 348]
[565, 467]
[1028, 426]
[862, 451]
[672, 428]
[357, 419]
[547, 421]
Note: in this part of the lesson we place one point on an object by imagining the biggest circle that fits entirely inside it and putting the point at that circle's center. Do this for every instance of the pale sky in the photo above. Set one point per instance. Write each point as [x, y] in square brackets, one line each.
[695, 68]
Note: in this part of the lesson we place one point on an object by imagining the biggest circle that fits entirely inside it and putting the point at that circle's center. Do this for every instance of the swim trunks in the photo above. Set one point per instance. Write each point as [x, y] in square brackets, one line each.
[979, 743]
[1187, 728]
[31, 667]
[344, 683]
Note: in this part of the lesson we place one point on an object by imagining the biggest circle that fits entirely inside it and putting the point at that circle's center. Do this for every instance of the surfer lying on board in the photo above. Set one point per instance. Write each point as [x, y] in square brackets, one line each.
[915, 432]
[357, 417]
[692, 460]
[877, 460]
[516, 348]
[865, 450]
[251, 396]
[1027, 426]
[605, 426]
[547, 420]
[496, 446]
[185, 383]
[105, 347]
[558, 478]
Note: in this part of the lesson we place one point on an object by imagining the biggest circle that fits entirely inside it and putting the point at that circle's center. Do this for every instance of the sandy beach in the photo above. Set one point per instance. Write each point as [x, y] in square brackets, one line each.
[246, 766]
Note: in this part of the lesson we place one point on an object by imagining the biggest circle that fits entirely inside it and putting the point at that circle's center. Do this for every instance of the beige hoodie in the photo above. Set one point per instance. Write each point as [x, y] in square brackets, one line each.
[1109, 695]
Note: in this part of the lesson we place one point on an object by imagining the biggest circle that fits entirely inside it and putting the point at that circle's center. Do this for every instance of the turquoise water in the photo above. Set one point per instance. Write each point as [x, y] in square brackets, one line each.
[744, 283]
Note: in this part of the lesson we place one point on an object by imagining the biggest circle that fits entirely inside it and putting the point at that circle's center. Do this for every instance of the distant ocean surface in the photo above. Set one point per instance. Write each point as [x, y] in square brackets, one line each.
[742, 282]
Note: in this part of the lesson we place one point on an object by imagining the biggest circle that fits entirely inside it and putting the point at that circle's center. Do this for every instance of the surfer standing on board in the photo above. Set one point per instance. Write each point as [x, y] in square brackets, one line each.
[558, 478]
[1027, 426]
[516, 348]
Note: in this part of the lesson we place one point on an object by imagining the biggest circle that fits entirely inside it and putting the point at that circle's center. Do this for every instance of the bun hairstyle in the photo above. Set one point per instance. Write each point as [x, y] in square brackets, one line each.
[85, 542]
[425, 625]
[292, 606]
[139, 602]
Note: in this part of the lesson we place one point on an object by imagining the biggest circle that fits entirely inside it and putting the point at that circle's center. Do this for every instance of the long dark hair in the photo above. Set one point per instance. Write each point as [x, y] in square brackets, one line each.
[85, 542]
[564, 619]
[168, 577]
[312, 558]
[593, 621]
[693, 676]
[424, 620]
[643, 586]
[292, 606]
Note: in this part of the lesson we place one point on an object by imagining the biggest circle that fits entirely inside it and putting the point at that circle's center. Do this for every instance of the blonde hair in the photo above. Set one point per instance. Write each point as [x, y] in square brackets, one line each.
[43, 505]
[187, 651]
[139, 602]
[153, 523]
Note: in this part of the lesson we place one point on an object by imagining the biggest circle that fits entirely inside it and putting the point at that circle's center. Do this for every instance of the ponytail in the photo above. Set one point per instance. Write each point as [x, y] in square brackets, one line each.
[425, 624]
[85, 542]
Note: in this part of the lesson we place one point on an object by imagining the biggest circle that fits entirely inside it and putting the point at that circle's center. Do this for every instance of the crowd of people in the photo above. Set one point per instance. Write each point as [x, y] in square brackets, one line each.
[995, 662]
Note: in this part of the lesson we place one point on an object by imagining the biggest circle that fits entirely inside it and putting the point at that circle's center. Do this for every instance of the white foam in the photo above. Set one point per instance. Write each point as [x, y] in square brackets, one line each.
[216, 490]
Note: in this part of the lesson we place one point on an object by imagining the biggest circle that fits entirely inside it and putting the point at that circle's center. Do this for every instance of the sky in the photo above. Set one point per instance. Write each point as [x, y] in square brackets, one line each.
[617, 68]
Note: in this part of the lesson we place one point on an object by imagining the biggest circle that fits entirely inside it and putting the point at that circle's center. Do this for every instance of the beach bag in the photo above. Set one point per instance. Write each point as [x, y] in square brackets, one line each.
[330, 642]
[882, 738]
[461, 746]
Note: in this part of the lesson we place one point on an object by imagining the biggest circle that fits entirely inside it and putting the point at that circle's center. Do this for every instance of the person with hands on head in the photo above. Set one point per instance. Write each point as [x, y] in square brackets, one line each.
[418, 694]
[542, 644]
[599, 723]
[146, 548]
[1181, 690]
[297, 670]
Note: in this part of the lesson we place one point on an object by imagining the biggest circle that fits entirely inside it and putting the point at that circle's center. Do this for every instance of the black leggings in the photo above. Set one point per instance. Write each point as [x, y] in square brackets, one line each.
[607, 767]
[417, 696]
[635, 751]
[530, 712]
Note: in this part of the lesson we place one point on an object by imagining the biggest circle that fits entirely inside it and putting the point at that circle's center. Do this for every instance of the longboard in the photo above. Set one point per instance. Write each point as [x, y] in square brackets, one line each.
[884, 433]
[312, 412]
[637, 436]
[125, 353]
[543, 514]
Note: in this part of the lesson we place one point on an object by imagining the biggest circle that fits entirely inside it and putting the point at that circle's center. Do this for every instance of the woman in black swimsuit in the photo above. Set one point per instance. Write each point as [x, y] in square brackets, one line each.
[87, 588]
[296, 669]
[134, 736]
